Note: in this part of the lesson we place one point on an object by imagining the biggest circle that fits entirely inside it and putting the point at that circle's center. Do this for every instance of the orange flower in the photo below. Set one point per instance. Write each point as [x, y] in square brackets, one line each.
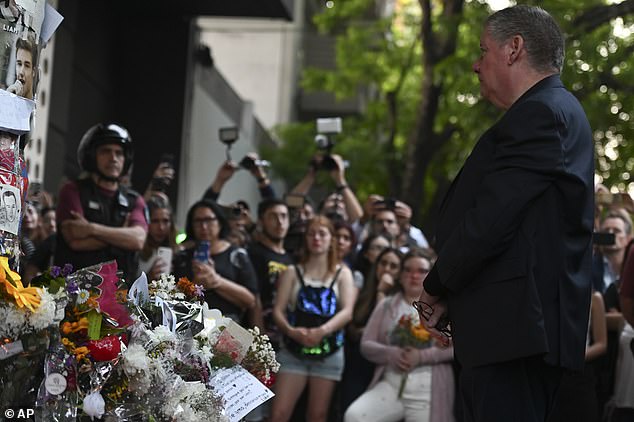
[24, 296]
[82, 324]
[186, 286]
[69, 344]
[122, 295]
[92, 302]
[66, 328]
[81, 352]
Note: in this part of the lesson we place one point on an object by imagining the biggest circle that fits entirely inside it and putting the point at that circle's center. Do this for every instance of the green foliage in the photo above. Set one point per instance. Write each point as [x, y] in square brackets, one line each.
[383, 56]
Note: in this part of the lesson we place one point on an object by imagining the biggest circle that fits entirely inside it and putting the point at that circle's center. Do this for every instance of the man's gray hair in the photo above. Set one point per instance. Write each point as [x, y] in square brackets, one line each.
[543, 39]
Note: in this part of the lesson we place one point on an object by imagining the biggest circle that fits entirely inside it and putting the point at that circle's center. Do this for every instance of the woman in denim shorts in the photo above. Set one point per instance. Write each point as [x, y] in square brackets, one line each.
[313, 355]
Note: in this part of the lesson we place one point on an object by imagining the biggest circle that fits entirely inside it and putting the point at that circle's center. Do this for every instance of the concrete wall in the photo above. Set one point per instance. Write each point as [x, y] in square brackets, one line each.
[214, 104]
[260, 59]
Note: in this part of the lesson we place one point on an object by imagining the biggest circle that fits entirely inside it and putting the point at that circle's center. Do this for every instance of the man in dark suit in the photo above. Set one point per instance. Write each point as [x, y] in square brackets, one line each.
[514, 235]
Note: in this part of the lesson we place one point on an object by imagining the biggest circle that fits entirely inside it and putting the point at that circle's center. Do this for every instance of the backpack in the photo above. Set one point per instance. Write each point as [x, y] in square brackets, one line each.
[315, 306]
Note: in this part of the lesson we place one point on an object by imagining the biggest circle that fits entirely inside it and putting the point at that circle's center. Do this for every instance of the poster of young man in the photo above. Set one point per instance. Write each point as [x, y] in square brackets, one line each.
[20, 24]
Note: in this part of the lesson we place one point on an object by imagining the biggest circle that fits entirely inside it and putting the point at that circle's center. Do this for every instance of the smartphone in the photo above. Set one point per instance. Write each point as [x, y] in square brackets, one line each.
[165, 254]
[603, 238]
[160, 184]
[201, 254]
[167, 159]
[294, 200]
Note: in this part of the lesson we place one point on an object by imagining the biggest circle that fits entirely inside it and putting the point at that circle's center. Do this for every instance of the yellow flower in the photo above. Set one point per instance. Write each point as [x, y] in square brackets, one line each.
[420, 332]
[23, 296]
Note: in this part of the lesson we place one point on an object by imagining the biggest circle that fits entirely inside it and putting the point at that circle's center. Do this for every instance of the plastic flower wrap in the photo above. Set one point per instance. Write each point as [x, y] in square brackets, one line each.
[168, 302]
[179, 366]
[168, 376]
[92, 339]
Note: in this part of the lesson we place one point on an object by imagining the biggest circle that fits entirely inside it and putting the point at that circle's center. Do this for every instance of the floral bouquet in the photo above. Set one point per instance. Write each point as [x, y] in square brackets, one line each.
[167, 377]
[409, 332]
[29, 315]
[260, 359]
[92, 338]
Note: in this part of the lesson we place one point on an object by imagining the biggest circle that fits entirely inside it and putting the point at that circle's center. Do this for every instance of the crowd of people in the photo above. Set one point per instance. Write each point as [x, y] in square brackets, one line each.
[332, 284]
[361, 266]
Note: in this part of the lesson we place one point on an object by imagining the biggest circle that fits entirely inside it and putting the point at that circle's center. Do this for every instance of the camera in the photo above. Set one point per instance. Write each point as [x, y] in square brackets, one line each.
[162, 184]
[326, 129]
[294, 200]
[250, 164]
[228, 135]
[388, 203]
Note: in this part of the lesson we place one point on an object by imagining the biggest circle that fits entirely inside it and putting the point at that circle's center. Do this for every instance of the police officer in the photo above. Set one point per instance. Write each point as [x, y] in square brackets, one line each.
[98, 218]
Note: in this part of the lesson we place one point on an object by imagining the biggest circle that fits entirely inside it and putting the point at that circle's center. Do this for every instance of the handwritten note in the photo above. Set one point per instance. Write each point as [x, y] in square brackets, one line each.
[241, 391]
[16, 112]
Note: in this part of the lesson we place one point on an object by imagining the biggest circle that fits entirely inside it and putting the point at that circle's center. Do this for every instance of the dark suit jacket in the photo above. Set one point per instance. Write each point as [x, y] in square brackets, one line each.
[514, 235]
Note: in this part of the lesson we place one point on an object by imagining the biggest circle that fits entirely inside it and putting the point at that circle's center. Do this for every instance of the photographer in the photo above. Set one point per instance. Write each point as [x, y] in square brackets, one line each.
[161, 179]
[250, 162]
[351, 210]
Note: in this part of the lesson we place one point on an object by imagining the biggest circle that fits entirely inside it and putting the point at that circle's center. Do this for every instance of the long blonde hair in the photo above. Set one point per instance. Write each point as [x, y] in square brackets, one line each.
[320, 220]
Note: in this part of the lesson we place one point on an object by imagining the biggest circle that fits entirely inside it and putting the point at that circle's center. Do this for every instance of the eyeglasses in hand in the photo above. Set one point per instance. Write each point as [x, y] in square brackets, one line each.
[425, 310]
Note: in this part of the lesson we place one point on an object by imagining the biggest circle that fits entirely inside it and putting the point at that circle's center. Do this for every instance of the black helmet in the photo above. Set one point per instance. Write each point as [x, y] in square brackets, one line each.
[103, 134]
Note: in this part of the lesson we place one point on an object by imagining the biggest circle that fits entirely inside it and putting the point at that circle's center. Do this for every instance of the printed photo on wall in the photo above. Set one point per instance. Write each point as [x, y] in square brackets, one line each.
[20, 24]
[18, 65]
[22, 16]
[10, 209]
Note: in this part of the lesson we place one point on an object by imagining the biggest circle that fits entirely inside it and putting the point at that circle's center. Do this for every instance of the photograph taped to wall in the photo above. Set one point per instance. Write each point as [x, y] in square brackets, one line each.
[10, 209]
[22, 16]
[18, 64]
[8, 153]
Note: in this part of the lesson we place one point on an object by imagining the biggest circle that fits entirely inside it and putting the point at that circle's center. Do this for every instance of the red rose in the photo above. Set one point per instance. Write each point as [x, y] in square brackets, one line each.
[105, 349]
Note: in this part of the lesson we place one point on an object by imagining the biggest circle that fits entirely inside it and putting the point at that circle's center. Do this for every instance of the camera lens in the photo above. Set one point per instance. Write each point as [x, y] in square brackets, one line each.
[322, 142]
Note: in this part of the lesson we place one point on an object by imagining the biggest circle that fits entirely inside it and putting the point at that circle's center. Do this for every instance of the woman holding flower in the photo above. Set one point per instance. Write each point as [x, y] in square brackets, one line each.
[226, 272]
[413, 379]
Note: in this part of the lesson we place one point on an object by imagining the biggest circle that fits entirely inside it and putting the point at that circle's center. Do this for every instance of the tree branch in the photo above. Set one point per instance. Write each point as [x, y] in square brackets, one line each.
[596, 16]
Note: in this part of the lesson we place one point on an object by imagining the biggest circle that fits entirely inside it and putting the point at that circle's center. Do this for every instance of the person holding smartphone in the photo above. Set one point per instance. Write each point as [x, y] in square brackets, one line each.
[224, 271]
[161, 178]
[156, 255]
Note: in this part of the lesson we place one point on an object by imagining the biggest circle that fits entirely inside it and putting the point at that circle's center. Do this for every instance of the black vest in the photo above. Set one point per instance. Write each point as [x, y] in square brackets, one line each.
[107, 211]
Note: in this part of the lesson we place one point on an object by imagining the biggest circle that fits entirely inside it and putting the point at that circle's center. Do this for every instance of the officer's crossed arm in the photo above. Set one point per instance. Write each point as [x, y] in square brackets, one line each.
[83, 235]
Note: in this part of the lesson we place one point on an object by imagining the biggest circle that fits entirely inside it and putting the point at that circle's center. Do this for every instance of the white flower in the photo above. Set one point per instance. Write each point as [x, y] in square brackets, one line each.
[44, 315]
[135, 360]
[94, 405]
[15, 321]
[82, 296]
[161, 334]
